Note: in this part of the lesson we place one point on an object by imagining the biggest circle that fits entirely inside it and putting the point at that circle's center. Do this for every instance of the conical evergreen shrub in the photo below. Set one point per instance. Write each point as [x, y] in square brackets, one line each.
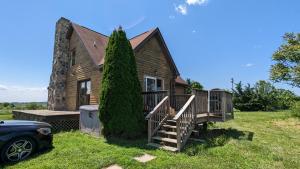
[120, 108]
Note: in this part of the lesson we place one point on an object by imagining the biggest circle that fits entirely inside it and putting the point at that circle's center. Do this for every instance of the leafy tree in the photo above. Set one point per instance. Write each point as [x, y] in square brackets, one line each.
[34, 106]
[244, 98]
[193, 85]
[295, 110]
[121, 104]
[263, 96]
[264, 93]
[287, 61]
[285, 99]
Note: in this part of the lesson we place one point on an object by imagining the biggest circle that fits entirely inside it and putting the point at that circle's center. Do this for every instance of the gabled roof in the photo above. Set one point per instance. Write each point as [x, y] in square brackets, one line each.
[96, 43]
[180, 81]
[135, 41]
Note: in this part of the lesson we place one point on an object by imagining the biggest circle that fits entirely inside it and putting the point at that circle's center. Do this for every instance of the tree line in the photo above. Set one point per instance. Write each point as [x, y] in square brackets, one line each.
[262, 96]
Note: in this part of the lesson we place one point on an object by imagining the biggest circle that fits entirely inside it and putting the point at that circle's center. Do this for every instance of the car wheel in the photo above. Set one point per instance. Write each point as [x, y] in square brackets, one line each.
[18, 149]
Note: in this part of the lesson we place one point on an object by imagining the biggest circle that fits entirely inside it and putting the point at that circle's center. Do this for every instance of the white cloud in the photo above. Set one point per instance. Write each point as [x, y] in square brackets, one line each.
[194, 31]
[196, 2]
[135, 23]
[22, 94]
[182, 8]
[249, 65]
[2, 87]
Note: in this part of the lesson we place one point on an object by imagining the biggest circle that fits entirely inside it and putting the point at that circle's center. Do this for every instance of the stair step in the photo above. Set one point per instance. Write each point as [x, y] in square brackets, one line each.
[173, 149]
[171, 121]
[195, 131]
[169, 126]
[165, 139]
[167, 132]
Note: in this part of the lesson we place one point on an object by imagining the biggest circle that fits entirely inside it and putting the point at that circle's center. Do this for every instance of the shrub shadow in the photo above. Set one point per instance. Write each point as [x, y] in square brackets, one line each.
[215, 138]
[229, 133]
[212, 138]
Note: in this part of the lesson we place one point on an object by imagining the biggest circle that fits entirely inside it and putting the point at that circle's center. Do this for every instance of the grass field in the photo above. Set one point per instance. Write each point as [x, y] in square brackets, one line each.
[253, 140]
[5, 115]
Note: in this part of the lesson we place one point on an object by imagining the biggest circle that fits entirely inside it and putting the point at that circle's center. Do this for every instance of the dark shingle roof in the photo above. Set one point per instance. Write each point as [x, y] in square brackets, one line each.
[179, 80]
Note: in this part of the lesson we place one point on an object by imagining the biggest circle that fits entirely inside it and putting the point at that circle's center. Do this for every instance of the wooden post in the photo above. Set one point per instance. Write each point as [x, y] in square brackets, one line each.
[149, 130]
[208, 103]
[194, 108]
[224, 105]
[178, 135]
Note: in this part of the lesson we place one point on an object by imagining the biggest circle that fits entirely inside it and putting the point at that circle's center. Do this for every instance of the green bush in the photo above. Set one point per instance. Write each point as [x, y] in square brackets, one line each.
[121, 104]
[193, 85]
[263, 96]
[295, 110]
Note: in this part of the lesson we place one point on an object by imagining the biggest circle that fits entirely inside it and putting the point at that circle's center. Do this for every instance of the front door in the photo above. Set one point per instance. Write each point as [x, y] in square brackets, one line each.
[153, 85]
[84, 91]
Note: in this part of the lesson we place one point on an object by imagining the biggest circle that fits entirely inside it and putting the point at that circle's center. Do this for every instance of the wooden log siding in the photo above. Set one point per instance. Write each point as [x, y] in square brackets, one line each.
[151, 61]
[83, 69]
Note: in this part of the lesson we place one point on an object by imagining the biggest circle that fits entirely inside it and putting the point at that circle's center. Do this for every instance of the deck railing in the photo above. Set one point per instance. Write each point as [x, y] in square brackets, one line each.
[221, 103]
[157, 117]
[215, 102]
[185, 122]
[180, 100]
[151, 99]
[201, 101]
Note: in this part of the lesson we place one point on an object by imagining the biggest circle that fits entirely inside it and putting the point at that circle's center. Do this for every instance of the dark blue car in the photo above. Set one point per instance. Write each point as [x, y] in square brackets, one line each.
[20, 139]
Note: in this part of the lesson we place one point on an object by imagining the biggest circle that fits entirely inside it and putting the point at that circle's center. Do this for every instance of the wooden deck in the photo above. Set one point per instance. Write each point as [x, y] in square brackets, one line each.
[60, 120]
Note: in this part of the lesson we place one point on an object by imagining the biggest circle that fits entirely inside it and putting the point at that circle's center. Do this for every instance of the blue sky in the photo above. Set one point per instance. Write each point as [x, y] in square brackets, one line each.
[211, 41]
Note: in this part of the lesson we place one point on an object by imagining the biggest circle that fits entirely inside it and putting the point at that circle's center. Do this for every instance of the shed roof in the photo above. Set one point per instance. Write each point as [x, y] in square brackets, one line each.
[180, 81]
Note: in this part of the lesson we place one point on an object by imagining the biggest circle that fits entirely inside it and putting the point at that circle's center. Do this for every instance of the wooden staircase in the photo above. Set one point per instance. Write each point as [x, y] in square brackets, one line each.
[166, 137]
[170, 130]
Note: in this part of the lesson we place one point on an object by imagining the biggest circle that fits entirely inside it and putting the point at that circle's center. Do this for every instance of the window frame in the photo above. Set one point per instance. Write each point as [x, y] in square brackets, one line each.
[72, 57]
[79, 84]
[155, 80]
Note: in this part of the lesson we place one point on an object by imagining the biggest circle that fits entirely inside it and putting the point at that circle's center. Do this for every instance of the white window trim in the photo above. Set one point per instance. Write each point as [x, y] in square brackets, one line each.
[155, 79]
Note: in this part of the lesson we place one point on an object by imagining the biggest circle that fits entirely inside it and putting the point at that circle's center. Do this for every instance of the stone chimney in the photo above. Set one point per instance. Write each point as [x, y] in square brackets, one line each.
[57, 85]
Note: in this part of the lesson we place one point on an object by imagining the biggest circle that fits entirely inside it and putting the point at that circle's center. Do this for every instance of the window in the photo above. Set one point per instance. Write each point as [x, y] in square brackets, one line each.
[72, 57]
[84, 92]
[153, 84]
[159, 85]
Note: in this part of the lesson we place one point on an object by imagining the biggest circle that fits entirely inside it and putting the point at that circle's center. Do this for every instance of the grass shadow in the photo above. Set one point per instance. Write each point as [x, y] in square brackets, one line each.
[229, 133]
[140, 143]
[212, 137]
[215, 138]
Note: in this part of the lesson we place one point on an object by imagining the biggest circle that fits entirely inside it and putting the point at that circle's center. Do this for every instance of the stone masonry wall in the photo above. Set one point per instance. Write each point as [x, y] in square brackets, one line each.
[57, 85]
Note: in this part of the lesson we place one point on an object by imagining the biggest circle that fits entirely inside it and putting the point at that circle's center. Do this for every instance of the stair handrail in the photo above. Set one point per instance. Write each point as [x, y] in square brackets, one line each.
[185, 122]
[157, 117]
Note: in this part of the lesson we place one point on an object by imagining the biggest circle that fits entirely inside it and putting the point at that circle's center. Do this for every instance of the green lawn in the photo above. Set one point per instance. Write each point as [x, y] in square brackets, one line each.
[5, 115]
[252, 140]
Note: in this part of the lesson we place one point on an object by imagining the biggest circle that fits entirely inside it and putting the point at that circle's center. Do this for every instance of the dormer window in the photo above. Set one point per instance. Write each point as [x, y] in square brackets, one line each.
[72, 57]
